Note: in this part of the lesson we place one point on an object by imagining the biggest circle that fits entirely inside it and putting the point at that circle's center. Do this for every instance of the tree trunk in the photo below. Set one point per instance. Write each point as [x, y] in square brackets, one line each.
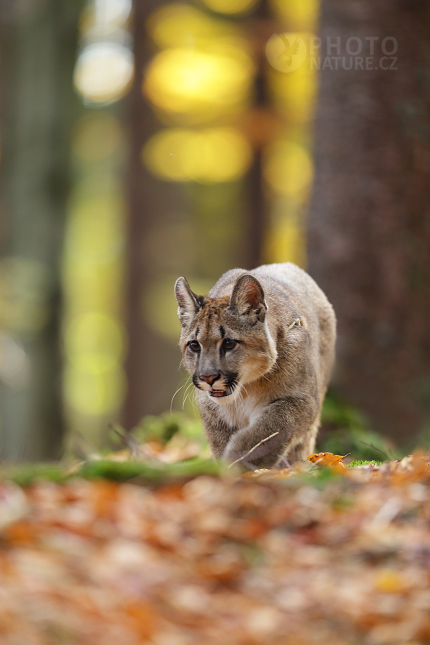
[38, 42]
[369, 221]
[152, 361]
[212, 217]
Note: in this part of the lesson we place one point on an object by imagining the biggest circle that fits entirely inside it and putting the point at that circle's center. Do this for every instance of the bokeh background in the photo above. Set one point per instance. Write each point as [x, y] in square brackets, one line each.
[145, 140]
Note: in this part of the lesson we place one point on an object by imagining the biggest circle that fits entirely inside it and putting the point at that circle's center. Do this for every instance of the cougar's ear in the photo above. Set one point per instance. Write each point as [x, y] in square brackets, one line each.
[188, 302]
[248, 297]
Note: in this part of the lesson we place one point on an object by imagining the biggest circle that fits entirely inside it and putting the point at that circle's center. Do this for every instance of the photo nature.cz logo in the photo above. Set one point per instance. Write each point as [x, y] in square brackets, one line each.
[287, 52]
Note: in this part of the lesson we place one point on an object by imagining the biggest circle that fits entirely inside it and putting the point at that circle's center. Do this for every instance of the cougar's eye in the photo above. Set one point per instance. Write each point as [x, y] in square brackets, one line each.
[228, 343]
[194, 346]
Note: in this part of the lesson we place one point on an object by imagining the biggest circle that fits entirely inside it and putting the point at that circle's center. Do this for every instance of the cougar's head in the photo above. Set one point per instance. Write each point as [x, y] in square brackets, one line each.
[225, 341]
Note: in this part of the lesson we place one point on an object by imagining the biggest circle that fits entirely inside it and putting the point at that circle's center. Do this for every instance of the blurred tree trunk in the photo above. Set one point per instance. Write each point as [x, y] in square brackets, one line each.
[257, 200]
[369, 222]
[152, 361]
[38, 43]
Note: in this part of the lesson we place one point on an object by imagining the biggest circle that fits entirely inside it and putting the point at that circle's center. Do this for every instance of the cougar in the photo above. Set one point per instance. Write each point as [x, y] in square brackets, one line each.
[260, 348]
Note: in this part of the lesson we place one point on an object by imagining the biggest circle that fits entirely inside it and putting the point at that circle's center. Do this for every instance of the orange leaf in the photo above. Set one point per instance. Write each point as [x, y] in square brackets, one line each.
[326, 459]
[390, 581]
[144, 618]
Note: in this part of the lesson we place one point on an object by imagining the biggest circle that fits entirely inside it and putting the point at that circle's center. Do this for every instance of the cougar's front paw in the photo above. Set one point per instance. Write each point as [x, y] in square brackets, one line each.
[249, 452]
[238, 452]
[234, 451]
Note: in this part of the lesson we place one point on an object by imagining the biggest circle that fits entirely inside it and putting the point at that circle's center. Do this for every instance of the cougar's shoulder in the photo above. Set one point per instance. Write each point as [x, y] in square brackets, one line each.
[293, 295]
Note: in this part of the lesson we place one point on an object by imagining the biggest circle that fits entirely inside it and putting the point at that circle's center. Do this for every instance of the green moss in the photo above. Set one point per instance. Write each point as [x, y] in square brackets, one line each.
[120, 471]
[26, 474]
[360, 462]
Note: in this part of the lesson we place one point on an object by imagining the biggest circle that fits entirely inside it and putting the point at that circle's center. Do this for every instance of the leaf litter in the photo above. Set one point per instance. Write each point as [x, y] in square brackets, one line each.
[313, 553]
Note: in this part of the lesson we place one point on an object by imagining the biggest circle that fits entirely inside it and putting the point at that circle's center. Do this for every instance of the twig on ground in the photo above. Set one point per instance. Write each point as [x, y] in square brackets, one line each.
[131, 443]
[128, 440]
[285, 461]
[81, 447]
[370, 445]
[252, 449]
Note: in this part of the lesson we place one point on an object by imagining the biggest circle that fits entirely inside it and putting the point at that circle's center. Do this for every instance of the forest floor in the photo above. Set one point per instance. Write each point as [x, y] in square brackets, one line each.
[158, 545]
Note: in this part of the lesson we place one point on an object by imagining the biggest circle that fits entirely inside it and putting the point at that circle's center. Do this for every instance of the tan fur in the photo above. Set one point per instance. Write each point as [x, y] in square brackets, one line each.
[276, 375]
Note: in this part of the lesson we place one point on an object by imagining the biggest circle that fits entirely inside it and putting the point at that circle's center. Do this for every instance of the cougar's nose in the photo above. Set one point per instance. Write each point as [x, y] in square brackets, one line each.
[209, 378]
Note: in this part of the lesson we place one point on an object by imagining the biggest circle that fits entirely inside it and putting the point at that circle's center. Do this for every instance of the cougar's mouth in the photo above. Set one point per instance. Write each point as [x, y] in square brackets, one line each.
[223, 389]
[229, 388]
[218, 393]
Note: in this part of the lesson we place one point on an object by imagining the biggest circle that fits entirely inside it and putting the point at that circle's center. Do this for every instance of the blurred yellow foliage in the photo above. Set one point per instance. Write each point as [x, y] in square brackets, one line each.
[286, 242]
[93, 285]
[94, 341]
[230, 6]
[93, 275]
[287, 167]
[210, 155]
[198, 86]
[293, 94]
[297, 14]
[95, 228]
[93, 392]
[182, 25]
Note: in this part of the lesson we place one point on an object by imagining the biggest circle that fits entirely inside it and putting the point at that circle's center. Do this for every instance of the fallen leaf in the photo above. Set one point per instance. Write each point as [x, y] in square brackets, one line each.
[326, 459]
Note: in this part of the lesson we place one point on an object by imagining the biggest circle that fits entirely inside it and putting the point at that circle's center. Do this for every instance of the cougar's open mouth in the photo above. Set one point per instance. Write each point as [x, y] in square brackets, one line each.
[227, 387]
[218, 393]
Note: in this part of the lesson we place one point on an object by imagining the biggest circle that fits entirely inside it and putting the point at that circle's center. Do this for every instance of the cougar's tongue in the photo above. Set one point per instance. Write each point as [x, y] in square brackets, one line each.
[217, 392]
